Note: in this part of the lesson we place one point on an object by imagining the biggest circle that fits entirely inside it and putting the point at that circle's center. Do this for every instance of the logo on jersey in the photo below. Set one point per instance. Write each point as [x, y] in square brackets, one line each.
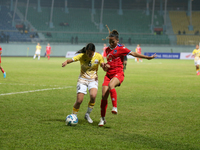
[115, 51]
[110, 57]
[96, 61]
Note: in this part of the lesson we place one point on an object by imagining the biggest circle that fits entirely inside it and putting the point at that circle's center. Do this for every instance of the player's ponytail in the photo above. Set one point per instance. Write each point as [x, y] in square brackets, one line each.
[113, 33]
[83, 50]
[89, 46]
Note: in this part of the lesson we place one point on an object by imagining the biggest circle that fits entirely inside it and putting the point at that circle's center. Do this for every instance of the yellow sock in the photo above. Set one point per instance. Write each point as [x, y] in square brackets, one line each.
[197, 70]
[75, 111]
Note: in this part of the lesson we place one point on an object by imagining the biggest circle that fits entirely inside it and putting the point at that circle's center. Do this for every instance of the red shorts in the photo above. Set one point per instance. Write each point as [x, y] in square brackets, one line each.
[0, 58]
[107, 78]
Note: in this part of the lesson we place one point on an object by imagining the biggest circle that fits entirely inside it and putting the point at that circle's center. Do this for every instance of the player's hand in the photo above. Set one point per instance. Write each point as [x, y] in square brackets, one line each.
[152, 57]
[105, 67]
[64, 64]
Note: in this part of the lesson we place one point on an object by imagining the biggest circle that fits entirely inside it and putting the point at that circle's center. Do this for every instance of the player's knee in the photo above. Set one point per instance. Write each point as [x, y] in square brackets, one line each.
[78, 102]
[111, 86]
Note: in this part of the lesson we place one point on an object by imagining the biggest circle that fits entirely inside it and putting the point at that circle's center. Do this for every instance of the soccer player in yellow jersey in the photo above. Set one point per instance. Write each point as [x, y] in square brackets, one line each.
[88, 78]
[196, 53]
[37, 51]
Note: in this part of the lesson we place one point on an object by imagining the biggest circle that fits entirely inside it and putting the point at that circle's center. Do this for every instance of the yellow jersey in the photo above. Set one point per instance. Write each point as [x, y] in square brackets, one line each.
[89, 66]
[196, 53]
[38, 48]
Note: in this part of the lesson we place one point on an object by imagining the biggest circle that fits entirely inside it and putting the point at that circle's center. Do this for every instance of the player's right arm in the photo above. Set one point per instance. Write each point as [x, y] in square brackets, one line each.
[67, 62]
[74, 59]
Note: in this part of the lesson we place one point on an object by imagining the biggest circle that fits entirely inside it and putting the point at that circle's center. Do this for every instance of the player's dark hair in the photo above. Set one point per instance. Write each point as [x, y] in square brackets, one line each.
[89, 46]
[114, 33]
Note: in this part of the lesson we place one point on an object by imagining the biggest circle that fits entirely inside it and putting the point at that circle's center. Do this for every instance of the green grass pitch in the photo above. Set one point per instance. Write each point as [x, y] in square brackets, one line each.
[158, 105]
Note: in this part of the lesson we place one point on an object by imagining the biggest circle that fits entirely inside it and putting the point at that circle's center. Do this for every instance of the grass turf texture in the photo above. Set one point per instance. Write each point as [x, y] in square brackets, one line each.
[158, 106]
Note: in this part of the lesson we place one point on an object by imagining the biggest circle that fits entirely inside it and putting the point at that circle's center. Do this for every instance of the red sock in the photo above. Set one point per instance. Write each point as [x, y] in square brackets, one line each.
[104, 104]
[113, 95]
[2, 70]
[48, 57]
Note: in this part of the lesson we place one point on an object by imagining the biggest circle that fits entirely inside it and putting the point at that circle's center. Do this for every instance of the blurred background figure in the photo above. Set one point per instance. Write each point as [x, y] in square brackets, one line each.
[4, 73]
[104, 50]
[196, 54]
[37, 51]
[48, 51]
[138, 50]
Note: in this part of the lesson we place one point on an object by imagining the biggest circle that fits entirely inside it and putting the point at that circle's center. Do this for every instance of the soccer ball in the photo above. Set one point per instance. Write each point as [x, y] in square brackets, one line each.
[71, 120]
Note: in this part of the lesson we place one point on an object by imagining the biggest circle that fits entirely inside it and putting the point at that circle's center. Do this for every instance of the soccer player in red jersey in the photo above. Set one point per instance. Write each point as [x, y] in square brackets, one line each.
[139, 50]
[4, 73]
[115, 75]
[48, 51]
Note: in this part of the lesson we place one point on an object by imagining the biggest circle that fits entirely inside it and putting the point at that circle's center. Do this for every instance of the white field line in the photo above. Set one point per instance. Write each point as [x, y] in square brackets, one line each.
[36, 90]
[27, 84]
[159, 63]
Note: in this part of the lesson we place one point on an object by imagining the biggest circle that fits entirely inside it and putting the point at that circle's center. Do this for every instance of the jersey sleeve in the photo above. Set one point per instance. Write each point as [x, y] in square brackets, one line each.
[101, 60]
[77, 57]
[125, 51]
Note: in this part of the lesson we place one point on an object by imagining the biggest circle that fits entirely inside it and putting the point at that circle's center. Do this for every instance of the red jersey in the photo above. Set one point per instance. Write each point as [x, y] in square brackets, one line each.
[139, 50]
[48, 49]
[115, 58]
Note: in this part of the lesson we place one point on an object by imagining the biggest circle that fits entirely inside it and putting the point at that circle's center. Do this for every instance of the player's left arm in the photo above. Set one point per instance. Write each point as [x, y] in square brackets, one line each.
[134, 54]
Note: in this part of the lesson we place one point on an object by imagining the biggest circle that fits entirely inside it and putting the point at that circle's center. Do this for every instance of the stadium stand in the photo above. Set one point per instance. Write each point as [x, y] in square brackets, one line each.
[79, 21]
[11, 33]
[180, 22]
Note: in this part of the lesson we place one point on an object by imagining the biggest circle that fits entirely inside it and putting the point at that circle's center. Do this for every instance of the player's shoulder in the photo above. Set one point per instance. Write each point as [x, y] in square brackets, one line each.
[194, 50]
[97, 54]
[107, 48]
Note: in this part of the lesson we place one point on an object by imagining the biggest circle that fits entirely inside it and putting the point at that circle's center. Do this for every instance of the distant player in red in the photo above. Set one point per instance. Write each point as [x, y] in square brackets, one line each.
[4, 73]
[104, 52]
[48, 51]
[139, 50]
[115, 75]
